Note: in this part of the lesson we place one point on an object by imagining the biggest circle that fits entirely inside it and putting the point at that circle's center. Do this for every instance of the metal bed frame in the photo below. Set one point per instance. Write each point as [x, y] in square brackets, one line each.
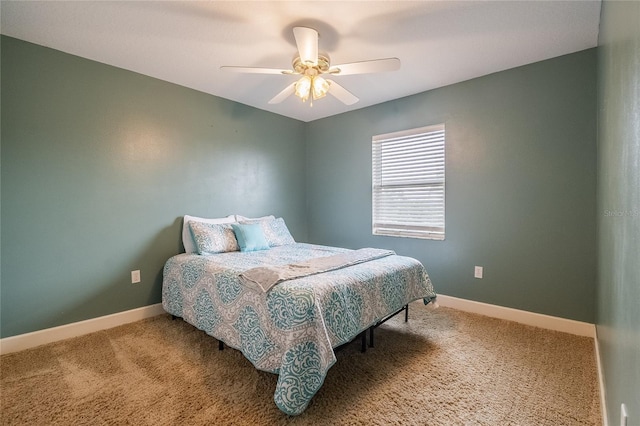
[405, 308]
[362, 335]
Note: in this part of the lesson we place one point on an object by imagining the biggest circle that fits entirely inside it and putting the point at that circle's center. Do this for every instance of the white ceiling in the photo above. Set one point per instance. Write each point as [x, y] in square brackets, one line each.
[186, 42]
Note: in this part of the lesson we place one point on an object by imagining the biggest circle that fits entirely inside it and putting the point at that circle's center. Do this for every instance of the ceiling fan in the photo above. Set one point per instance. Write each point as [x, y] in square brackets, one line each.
[311, 65]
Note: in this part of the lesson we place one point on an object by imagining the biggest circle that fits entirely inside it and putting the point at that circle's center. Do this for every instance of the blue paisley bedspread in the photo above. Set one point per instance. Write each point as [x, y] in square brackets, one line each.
[292, 329]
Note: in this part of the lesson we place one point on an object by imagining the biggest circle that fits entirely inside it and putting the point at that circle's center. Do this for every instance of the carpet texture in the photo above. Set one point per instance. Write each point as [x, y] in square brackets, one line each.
[443, 367]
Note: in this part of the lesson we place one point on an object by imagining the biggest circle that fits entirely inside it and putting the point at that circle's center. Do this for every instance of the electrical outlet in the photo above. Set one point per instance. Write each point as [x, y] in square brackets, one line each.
[624, 417]
[135, 277]
[477, 273]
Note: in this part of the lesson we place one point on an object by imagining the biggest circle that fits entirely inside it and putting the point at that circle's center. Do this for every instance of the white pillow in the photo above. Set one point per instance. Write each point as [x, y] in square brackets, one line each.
[244, 218]
[187, 238]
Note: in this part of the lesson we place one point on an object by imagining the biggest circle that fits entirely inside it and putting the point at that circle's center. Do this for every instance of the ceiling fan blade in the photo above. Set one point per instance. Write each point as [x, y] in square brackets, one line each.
[343, 95]
[366, 67]
[288, 91]
[307, 42]
[255, 70]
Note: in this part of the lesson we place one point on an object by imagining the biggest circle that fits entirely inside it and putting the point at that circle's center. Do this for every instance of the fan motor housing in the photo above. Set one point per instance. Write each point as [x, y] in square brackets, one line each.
[323, 64]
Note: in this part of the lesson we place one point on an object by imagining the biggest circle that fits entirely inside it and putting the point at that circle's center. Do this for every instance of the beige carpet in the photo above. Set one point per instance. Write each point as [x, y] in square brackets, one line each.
[444, 367]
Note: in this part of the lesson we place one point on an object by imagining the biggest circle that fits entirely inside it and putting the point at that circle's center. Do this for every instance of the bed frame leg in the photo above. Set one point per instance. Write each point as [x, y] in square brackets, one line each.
[371, 336]
[220, 345]
[363, 348]
[173, 317]
[405, 308]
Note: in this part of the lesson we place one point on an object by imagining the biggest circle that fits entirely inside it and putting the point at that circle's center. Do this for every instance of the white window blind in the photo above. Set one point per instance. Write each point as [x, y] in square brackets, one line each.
[408, 183]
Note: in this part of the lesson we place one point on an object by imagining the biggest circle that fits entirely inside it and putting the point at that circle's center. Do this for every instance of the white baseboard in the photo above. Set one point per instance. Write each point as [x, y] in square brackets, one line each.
[603, 400]
[41, 337]
[49, 335]
[524, 317]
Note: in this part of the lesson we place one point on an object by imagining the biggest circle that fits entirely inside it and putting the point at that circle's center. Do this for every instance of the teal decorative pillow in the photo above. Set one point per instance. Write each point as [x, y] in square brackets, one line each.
[250, 236]
[211, 238]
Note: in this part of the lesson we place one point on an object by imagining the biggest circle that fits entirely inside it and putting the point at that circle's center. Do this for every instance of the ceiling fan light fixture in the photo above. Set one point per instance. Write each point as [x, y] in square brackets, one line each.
[320, 87]
[303, 87]
[311, 85]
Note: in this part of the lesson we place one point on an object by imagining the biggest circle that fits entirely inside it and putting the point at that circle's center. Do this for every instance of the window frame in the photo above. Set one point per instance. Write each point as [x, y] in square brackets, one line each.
[426, 217]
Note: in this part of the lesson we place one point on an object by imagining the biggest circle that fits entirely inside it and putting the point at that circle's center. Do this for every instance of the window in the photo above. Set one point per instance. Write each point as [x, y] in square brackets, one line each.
[408, 183]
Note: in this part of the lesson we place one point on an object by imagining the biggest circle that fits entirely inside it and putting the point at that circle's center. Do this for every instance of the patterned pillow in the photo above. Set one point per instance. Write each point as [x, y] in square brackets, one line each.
[187, 238]
[275, 231]
[211, 238]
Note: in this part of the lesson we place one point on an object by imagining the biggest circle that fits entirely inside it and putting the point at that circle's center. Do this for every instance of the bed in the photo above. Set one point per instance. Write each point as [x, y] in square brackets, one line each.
[290, 324]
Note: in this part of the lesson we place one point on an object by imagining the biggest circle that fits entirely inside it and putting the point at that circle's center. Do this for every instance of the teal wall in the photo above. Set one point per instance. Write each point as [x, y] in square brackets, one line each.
[520, 184]
[618, 322]
[98, 166]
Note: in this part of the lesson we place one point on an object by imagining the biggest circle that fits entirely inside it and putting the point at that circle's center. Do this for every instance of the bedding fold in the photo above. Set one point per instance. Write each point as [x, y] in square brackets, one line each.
[265, 277]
